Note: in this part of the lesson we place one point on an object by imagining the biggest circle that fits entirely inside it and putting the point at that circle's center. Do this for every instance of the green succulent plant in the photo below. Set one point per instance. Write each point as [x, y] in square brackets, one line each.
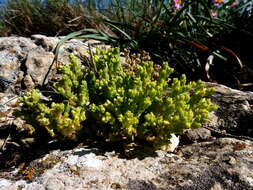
[132, 103]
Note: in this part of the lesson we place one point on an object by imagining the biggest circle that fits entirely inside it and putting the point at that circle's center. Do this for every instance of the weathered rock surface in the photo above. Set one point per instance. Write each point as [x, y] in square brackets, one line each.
[24, 63]
[222, 164]
[234, 116]
[235, 113]
[26, 60]
[211, 162]
[36, 62]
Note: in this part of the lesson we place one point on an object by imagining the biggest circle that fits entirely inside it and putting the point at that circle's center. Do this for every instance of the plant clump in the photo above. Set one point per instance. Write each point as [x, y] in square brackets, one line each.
[133, 103]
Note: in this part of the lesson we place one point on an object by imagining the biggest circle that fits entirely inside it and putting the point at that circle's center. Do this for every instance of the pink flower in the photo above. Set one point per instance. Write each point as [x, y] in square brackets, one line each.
[234, 3]
[218, 3]
[214, 13]
[177, 4]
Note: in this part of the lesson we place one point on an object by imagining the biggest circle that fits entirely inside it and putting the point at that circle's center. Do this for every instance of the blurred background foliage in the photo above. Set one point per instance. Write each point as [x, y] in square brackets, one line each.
[205, 39]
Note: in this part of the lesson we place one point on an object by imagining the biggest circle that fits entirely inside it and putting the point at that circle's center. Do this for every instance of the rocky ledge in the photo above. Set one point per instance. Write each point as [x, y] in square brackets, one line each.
[223, 163]
[218, 156]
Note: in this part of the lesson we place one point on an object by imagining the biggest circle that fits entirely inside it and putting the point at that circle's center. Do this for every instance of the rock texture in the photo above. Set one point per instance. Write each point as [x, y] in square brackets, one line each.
[24, 63]
[217, 165]
[235, 114]
[218, 156]
[26, 60]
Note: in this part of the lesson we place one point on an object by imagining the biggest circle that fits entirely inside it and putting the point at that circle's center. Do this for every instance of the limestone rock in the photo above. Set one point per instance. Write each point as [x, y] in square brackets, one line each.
[194, 135]
[235, 113]
[205, 165]
[28, 82]
[33, 56]
[48, 43]
[37, 64]
[24, 62]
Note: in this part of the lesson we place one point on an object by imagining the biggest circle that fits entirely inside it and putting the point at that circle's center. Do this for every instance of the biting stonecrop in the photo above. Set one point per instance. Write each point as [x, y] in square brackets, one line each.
[131, 102]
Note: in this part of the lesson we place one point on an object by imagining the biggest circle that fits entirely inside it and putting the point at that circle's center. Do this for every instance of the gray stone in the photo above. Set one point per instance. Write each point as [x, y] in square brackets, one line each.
[199, 134]
[48, 43]
[33, 56]
[4, 183]
[24, 63]
[235, 113]
[13, 51]
[220, 164]
[28, 82]
[37, 64]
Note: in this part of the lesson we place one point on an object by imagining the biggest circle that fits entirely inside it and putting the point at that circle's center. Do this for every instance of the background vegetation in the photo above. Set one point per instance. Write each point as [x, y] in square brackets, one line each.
[205, 39]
